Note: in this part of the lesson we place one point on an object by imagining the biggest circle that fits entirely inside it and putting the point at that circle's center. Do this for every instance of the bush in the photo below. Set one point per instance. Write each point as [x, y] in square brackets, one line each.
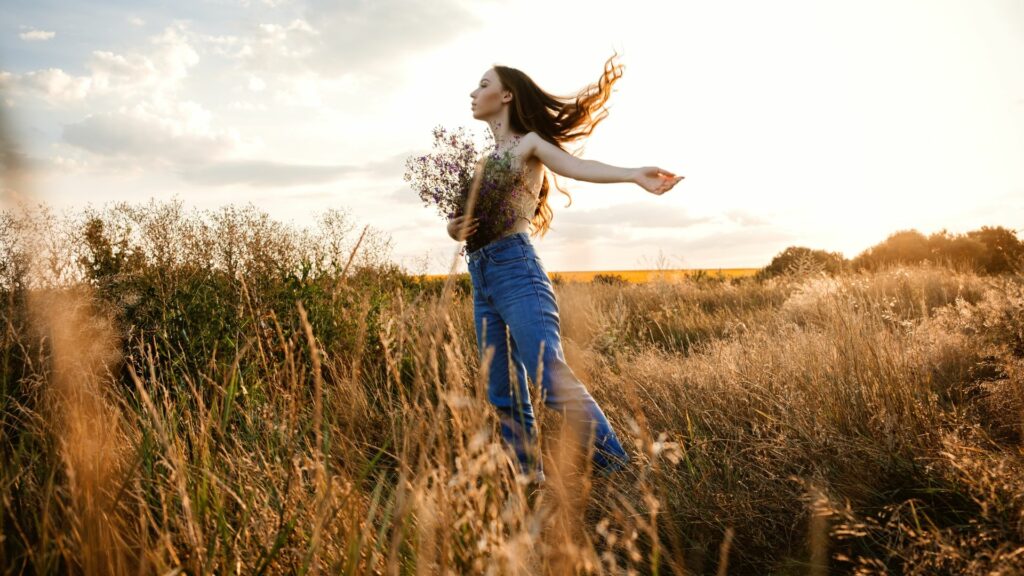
[798, 259]
[609, 279]
[1005, 250]
[992, 250]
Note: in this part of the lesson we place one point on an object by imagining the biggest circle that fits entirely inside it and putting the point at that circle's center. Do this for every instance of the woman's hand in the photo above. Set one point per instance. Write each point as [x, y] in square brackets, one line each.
[655, 180]
[456, 224]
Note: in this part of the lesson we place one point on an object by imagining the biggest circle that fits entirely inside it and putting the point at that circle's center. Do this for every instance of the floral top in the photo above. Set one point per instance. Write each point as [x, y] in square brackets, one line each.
[504, 199]
[443, 179]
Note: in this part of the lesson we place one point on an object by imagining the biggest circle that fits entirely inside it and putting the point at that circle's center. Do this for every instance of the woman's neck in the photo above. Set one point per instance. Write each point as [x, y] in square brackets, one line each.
[503, 134]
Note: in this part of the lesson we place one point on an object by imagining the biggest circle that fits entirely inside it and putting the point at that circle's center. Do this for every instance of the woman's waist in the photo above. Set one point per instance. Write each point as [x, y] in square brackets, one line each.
[520, 228]
[508, 238]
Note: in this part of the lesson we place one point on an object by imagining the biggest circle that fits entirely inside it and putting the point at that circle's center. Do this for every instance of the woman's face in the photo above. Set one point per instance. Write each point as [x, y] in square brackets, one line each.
[489, 96]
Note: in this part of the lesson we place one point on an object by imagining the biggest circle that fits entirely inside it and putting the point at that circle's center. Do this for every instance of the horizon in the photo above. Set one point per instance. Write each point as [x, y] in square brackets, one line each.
[792, 129]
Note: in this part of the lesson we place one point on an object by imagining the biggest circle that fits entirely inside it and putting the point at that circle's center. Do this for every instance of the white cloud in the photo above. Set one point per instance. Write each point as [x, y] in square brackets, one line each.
[136, 21]
[390, 167]
[267, 3]
[169, 132]
[135, 96]
[370, 36]
[157, 72]
[404, 195]
[37, 35]
[260, 173]
[347, 38]
[271, 47]
[745, 218]
[300, 91]
[310, 90]
[223, 45]
[247, 106]
[256, 84]
[730, 248]
[641, 215]
[162, 68]
[53, 84]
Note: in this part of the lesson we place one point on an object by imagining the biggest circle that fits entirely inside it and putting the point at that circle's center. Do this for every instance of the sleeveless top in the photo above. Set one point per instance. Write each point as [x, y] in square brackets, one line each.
[503, 199]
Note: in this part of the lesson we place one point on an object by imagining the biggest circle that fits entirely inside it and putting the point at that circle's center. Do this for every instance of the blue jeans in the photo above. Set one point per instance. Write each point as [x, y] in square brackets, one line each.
[511, 289]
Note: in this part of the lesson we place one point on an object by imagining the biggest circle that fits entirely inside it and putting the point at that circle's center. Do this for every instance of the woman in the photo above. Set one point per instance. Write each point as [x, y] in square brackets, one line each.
[511, 288]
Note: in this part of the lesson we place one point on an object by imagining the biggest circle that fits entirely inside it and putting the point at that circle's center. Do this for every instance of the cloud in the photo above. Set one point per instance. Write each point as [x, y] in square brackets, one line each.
[53, 84]
[721, 240]
[270, 47]
[644, 228]
[37, 35]
[144, 117]
[256, 84]
[743, 247]
[260, 173]
[404, 195]
[247, 106]
[263, 173]
[174, 132]
[349, 37]
[363, 35]
[160, 69]
[147, 75]
[392, 167]
[745, 218]
[640, 215]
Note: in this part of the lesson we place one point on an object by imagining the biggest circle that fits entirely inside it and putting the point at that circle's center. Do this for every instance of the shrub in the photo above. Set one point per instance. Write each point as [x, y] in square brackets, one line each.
[798, 260]
[610, 279]
[992, 250]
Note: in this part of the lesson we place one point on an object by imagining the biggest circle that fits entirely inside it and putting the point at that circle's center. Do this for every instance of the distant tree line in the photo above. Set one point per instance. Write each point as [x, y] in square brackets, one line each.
[988, 250]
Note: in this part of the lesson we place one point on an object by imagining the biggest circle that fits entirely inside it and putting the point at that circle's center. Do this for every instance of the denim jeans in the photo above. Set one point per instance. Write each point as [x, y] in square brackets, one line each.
[511, 289]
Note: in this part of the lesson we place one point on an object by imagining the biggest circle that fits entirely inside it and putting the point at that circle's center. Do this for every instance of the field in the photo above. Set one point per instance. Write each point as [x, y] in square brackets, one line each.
[640, 276]
[224, 394]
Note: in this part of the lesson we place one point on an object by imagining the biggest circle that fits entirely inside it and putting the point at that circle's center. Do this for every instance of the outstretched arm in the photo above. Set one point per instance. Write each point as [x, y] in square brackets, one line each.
[651, 178]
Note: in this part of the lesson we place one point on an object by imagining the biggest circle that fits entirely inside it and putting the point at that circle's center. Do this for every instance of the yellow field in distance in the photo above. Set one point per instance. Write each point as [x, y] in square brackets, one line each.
[642, 276]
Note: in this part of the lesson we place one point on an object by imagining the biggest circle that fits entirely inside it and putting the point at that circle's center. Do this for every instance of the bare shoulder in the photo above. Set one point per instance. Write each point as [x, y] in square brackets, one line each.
[528, 145]
[535, 145]
[541, 151]
[524, 159]
[525, 150]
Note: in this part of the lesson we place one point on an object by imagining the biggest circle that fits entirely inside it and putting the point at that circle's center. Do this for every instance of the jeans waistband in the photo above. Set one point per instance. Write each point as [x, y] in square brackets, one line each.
[516, 238]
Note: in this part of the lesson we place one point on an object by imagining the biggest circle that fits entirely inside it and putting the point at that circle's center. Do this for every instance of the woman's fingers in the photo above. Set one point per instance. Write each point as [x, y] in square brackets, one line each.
[666, 183]
[467, 226]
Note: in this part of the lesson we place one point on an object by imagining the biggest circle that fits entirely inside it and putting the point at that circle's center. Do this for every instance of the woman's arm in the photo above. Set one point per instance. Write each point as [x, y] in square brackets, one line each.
[564, 164]
[651, 178]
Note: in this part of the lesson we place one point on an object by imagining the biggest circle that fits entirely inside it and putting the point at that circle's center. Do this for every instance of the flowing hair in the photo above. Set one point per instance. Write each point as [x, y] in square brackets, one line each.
[557, 119]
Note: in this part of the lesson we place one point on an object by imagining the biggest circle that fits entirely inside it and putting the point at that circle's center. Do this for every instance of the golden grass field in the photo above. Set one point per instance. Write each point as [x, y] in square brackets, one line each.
[220, 395]
[641, 276]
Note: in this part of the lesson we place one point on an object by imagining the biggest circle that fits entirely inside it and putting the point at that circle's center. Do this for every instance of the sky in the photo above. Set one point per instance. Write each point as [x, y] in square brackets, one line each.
[796, 123]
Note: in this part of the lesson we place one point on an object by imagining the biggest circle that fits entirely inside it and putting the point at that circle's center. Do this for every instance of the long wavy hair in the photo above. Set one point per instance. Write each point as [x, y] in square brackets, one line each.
[557, 119]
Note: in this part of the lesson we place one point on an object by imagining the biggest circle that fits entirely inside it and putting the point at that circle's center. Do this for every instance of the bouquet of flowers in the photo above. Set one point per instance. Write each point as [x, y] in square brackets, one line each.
[445, 177]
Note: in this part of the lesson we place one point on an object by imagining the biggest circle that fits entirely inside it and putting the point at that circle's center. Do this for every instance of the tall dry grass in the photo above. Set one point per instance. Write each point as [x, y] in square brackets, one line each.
[220, 393]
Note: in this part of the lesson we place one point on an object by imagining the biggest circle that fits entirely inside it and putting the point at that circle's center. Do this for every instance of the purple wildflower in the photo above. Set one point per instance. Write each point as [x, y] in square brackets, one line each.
[443, 179]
